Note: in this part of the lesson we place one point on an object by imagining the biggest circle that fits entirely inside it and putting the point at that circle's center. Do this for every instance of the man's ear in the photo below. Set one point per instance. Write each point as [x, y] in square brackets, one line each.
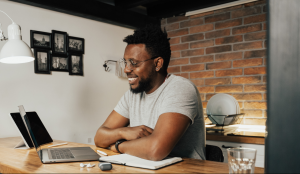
[159, 63]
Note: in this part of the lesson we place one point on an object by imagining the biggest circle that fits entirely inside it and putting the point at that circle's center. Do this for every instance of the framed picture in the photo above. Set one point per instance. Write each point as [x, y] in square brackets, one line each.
[42, 61]
[76, 45]
[59, 42]
[59, 63]
[40, 39]
[75, 64]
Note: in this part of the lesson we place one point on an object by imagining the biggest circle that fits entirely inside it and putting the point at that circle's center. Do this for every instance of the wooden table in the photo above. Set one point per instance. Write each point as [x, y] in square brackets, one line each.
[27, 161]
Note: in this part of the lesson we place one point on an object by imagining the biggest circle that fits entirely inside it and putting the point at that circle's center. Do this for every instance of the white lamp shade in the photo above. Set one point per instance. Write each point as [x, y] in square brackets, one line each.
[16, 51]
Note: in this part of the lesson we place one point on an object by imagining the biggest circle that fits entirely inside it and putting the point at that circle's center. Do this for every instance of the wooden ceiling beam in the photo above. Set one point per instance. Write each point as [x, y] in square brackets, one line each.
[95, 10]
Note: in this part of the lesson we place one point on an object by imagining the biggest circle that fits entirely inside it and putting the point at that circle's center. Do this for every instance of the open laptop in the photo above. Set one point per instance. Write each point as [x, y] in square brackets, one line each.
[53, 155]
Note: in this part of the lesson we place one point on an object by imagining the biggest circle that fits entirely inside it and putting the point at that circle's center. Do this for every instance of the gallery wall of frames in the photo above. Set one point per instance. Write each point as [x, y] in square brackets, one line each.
[57, 51]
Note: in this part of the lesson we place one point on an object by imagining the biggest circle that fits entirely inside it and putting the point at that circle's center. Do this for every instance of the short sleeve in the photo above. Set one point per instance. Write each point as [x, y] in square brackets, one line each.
[181, 98]
[123, 105]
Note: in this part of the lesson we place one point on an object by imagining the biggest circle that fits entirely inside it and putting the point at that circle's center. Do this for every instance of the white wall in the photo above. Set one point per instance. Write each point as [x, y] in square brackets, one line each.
[71, 107]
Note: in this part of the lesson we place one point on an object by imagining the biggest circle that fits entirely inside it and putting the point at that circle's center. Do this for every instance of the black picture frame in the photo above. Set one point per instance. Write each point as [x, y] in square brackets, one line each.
[59, 42]
[41, 66]
[39, 39]
[76, 45]
[59, 62]
[75, 67]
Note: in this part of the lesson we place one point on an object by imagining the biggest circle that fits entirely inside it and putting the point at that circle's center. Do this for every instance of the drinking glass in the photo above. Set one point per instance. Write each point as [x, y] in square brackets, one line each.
[241, 160]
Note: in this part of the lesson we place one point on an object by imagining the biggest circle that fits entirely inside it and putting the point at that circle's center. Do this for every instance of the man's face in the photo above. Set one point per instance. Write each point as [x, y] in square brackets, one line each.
[140, 77]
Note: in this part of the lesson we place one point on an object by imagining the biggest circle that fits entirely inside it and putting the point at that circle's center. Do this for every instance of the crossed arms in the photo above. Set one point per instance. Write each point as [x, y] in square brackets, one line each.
[143, 141]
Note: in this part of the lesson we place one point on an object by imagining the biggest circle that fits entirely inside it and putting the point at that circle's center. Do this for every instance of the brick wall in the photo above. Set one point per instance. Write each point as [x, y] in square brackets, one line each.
[224, 51]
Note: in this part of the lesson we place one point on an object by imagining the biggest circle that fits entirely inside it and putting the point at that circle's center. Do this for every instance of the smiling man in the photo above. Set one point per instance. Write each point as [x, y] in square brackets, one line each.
[161, 115]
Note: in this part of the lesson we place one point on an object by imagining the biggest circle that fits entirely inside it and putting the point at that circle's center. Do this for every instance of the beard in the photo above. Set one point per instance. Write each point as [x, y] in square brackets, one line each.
[144, 85]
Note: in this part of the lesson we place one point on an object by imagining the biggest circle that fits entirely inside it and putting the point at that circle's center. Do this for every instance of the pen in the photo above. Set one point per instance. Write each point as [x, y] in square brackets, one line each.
[103, 153]
[57, 144]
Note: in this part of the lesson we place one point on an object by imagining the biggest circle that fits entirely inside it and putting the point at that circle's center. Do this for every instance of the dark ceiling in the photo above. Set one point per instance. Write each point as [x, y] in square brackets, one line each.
[125, 13]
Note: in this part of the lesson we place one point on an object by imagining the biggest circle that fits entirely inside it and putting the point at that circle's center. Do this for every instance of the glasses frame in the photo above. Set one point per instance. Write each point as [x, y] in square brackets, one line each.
[131, 66]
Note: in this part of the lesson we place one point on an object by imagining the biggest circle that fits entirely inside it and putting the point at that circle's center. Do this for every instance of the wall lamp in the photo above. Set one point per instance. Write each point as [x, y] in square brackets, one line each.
[15, 50]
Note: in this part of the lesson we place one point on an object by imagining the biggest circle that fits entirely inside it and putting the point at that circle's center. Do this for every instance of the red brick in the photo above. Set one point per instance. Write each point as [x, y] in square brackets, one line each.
[265, 96]
[198, 82]
[228, 9]
[202, 59]
[265, 79]
[255, 19]
[193, 37]
[255, 105]
[256, 53]
[174, 69]
[206, 89]
[251, 96]
[208, 96]
[175, 54]
[246, 80]
[265, 61]
[201, 28]
[219, 65]
[174, 40]
[218, 49]
[180, 47]
[241, 105]
[265, 26]
[179, 61]
[218, 81]
[200, 44]
[173, 26]
[216, 18]
[185, 75]
[246, 29]
[248, 45]
[191, 22]
[254, 121]
[204, 104]
[247, 62]
[197, 67]
[264, 8]
[202, 74]
[245, 12]
[231, 23]
[255, 88]
[231, 39]
[229, 56]
[177, 19]
[178, 32]
[231, 72]
[202, 97]
[255, 36]
[256, 70]
[228, 89]
[218, 33]
[253, 113]
[163, 21]
[202, 14]
[255, 3]
[195, 52]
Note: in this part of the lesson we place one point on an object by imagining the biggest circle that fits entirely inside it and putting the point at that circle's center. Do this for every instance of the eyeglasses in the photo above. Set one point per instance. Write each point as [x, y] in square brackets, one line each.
[131, 64]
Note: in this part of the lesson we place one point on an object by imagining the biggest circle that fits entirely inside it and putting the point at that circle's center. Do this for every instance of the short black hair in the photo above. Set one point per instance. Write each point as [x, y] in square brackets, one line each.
[156, 41]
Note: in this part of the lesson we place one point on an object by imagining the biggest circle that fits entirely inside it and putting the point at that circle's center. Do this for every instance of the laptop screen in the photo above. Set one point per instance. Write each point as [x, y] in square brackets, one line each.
[36, 129]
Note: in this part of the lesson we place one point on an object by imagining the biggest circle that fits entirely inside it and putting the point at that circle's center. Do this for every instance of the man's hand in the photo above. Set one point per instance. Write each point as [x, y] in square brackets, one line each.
[132, 133]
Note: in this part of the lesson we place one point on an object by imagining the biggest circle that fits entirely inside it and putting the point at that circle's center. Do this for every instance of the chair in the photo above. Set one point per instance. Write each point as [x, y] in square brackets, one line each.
[214, 153]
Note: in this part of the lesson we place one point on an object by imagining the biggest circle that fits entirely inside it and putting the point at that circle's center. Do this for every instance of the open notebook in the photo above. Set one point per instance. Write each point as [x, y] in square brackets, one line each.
[129, 160]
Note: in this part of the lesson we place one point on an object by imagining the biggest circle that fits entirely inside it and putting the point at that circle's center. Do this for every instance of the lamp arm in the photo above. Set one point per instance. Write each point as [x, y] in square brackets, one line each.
[7, 16]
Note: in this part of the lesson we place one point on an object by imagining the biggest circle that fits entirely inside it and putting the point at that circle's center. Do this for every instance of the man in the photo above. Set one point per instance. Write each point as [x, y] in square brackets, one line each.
[164, 111]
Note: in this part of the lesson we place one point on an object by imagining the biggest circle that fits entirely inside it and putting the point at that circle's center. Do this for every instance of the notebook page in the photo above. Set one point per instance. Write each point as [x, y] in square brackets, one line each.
[122, 158]
[142, 163]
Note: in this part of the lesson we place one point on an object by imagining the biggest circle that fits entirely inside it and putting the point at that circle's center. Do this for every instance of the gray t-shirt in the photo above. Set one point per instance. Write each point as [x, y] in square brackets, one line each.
[178, 95]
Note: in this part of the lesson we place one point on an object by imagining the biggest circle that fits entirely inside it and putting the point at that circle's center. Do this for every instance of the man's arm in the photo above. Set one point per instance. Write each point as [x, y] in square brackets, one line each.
[115, 128]
[169, 129]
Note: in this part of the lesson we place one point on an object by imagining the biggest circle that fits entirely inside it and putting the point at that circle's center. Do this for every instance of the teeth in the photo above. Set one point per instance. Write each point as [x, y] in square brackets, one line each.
[131, 79]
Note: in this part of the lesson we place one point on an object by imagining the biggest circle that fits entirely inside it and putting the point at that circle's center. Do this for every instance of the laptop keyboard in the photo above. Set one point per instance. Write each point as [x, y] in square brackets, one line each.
[61, 154]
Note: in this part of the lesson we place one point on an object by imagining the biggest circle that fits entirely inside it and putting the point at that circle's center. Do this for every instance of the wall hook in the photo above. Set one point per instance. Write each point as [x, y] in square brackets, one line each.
[106, 68]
